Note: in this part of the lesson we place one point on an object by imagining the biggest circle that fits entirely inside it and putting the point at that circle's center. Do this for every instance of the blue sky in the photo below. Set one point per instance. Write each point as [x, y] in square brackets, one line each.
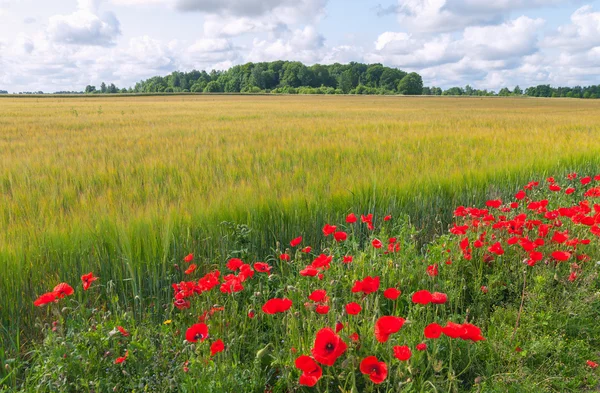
[53, 45]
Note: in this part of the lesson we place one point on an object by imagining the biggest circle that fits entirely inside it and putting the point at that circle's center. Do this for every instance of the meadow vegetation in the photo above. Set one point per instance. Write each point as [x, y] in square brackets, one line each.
[127, 187]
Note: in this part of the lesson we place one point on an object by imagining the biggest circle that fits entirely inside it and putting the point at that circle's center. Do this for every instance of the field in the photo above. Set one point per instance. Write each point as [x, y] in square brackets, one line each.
[126, 187]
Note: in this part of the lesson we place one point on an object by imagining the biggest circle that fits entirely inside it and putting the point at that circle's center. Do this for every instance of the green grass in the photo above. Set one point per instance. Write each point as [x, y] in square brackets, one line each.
[127, 186]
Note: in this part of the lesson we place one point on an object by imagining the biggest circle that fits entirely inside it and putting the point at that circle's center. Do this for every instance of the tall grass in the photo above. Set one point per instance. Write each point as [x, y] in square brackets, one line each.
[127, 186]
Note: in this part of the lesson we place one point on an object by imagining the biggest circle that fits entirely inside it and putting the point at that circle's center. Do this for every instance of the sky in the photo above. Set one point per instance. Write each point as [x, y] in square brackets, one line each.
[58, 45]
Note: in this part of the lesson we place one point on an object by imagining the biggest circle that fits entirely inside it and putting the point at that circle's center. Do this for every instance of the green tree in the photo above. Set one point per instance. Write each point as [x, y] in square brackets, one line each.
[213, 87]
[411, 84]
[103, 88]
[517, 91]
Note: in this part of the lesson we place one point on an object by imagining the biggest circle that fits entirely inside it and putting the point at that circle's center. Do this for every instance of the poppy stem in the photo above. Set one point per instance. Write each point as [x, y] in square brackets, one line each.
[521, 307]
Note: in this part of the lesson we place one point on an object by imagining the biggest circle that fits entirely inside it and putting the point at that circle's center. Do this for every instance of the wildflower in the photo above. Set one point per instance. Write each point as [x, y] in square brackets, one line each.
[402, 352]
[422, 297]
[329, 229]
[439, 298]
[191, 269]
[216, 347]
[347, 258]
[197, 332]
[328, 347]
[376, 370]
[276, 305]
[306, 249]
[188, 258]
[122, 359]
[311, 371]
[353, 308]
[295, 242]
[124, 332]
[284, 257]
[387, 218]
[351, 218]
[340, 236]
[320, 295]
[367, 285]
[63, 289]
[387, 325]
[45, 299]
[322, 309]
[234, 264]
[421, 347]
[262, 267]
[87, 280]
[391, 293]
[592, 364]
[377, 243]
[433, 330]
[432, 270]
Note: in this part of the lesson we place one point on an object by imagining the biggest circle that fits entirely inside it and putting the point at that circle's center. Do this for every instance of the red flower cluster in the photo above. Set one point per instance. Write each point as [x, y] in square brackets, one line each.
[60, 291]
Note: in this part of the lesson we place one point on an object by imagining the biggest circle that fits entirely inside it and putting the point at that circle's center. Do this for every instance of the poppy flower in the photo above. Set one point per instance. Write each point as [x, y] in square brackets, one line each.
[569, 190]
[122, 359]
[347, 258]
[421, 347]
[402, 352]
[471, 332]
[351, 218]
[234, 264]
[87, 280]
[124, 332]
[329, 229]
[585, 180]
[391, 293]
[306, 249]
[439, 298]
[45, 299]
[296, 241]
[592, 364]
[495, 203]
[354, 337]
[322, 309]
[340, 236]
[276, 305]
[484, 289]
[309, 271]
[311, 371]
[284, 257]
[191, 269]
[554, 187]
[496, 248]
[561, 255]
[377, 243]
[216, 347]
[338, 326]
[262, 267]
[328, 347]
[319, 295]
[63, 289]
[432, 270]
[433, 330]
[520, 195]
[251, 314]
[367, 285]
[387, 218]
[353, 308]
[422, 297]
[197, 332]
[367, 218]
[376, 370]
[188, 258]
[453, 330]
[182, 304]
[387, 325]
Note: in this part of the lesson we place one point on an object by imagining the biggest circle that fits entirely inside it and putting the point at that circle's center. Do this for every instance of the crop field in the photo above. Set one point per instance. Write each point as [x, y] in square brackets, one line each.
[128, 187]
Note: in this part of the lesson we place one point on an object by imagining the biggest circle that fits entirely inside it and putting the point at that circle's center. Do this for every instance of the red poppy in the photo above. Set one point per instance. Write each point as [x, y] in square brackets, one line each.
[306, 249]
[251, 314]
[592, 364]
[234, 264]
[377, 243]
[387, 325]
[188, 258]
[439, 298]
[367, 285]
[340, 236]
[376, 370]
[87, 280]
[391, 293]
[197, 332]
[471, 332]
[329, 229]
[216, 347]
[484, 289]
[320, 295]
[367, 218]
[569, 190]
[351, 218]
[433, 330]
[328, 347]
[453, 330]
[63, 289]
[309, 271]
[322, 309]
[284, 257]
[561, 255]
[311, 371]
[432, 270]
[495, 203]
[191, 269]
[354, 337]
[353, 308]
[276, 305]
[45, 299]
[496, 248]
[124, 332]
[402, 352]
[387, 218]
[122, 359]
[262, 267]
[296, 241]
[182, 304]
[520, 195]
[348, 258]
[338, 326]
[421, 347]
[422, 297]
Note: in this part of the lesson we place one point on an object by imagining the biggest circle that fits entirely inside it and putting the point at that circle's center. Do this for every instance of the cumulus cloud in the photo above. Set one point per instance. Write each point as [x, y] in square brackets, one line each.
[582, 33]
[305, 45]
[453, 15]
[85, 26]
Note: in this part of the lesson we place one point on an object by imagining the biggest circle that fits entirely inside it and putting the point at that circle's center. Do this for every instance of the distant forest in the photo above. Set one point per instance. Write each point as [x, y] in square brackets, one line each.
[292, 77]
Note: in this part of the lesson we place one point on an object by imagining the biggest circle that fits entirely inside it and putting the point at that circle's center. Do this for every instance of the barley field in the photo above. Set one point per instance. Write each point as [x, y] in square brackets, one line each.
[127, 186]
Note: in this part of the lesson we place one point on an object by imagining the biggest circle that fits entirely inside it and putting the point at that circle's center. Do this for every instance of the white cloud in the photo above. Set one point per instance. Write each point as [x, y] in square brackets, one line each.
[582, 34]
[453, 15]
[305, 45]
[85, 26]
